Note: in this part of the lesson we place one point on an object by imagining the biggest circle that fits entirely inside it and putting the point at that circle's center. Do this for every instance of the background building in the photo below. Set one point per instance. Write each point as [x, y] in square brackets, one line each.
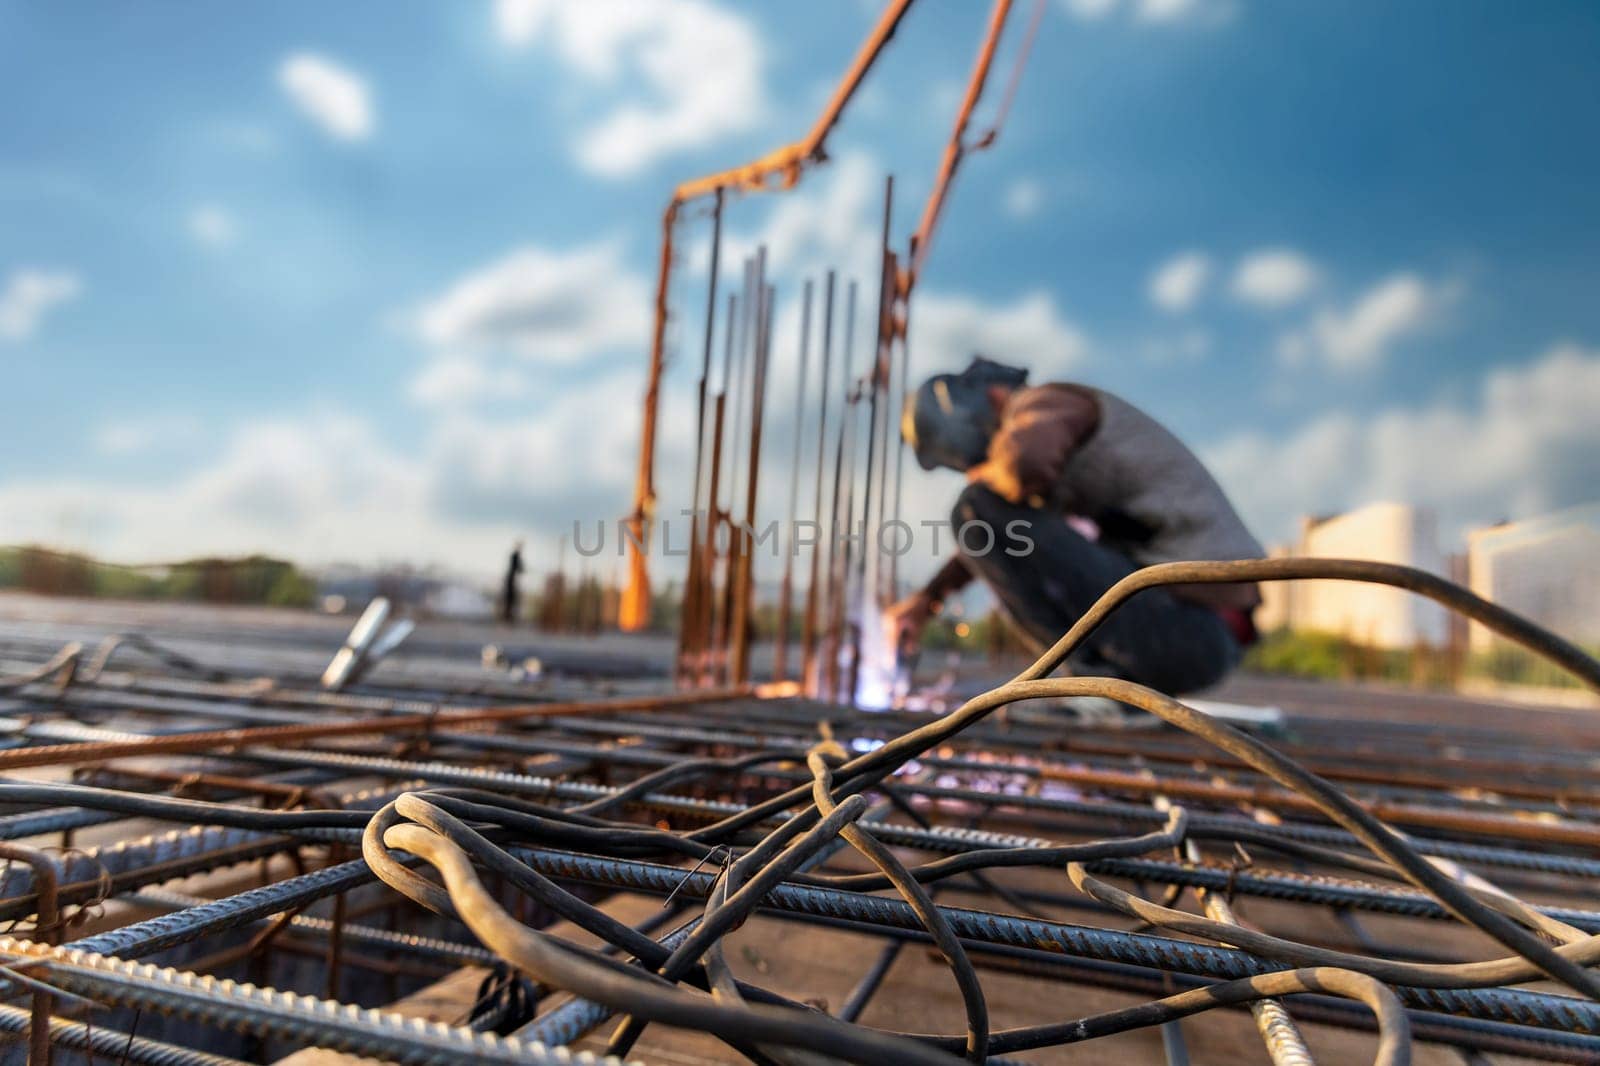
[1545, 568]
[1373, 615]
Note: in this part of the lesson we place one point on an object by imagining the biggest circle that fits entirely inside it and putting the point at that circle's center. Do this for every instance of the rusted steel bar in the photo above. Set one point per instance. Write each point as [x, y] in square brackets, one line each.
[749, 309]
[1542, 830]
[876, 382]
[717, 519]
[889, 417]
[900, 447]
[280, 735]
[190, 783]
[780, 645]
[1277, 1028]
[824, 539]
[745, 590]
[693, 592]
[47, 885]
[1494, 779]
[785, 164]
[844, 467]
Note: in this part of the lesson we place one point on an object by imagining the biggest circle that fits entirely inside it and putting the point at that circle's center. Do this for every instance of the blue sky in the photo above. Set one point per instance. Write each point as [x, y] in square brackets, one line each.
[370, 282]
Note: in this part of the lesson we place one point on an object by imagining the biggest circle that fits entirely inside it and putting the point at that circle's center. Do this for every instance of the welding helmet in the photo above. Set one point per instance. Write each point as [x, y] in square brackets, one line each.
[949, 419]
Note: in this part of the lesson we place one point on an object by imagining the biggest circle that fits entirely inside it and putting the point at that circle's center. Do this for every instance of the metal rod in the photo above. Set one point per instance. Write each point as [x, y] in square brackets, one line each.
[877, 383]
[749, 304]
[745, 592]
[786, 539]
[843, 479]
[824, 537]
[716, 517]
[693, 593]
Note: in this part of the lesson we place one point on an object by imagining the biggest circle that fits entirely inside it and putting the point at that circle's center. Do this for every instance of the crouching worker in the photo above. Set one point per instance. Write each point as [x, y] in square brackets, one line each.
[1040, 460]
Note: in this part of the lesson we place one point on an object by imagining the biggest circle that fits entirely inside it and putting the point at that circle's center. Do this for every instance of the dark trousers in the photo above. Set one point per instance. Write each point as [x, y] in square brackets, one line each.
[1154, 639]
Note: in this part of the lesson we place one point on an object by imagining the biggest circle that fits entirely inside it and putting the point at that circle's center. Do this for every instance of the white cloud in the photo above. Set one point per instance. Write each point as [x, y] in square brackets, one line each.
[326, 487]
[212, 226]
[1151, 12]
[1176, 284]
[701, 64]
[1090, 9]
[573, 459]
[1360, 336]
[556, 307]
[331, 95]
[1527, 443]
[1190, 346]
[947, 329]
[1023, 198]
[29, 295]
[142, 434]
[1274, 277]
[1166, 10]
[459, 379]
[315, 489]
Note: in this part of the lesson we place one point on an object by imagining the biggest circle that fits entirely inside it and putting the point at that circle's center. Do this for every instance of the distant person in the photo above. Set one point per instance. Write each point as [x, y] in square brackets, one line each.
[508, 599]
[1040, 455]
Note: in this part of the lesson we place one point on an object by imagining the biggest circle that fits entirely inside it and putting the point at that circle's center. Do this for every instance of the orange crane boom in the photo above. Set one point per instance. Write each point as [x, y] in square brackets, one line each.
[785, 165]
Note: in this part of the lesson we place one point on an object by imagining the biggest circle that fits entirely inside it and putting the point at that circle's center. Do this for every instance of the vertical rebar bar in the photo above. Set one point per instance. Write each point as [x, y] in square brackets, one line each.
[876, 383]
[888, 421]
[902, 331]
[780, 639]
[744, 593]
[808, 626]
[747, 306]
[716, 517]
[693, 593]
[844, 468]
[1285, 1045]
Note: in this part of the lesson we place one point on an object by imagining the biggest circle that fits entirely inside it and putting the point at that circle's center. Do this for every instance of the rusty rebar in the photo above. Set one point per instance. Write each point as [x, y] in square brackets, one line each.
[744, 590]
[824, 536]
[786, 537]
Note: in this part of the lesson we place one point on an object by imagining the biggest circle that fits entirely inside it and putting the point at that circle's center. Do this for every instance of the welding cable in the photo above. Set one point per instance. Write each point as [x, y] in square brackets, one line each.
[172, 809]
[668, 775]
[721, 984]
[867, 769]
[1394, 1026]
[1508, 624]
[1172, 835]
[927, 911]
[984, 883]
[514, 812]
[615, 838]
[909, 745]
[770, 869]
[1348, 961]
[1505, 971]
[1492, 895]
[416, 807]
[537, 955]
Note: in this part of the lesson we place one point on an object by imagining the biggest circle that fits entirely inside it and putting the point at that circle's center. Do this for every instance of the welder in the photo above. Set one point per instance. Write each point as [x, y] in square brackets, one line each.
[1070, 489]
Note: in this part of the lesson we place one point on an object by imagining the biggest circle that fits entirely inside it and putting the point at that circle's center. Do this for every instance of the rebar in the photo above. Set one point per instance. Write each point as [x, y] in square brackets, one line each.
[734, 803]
